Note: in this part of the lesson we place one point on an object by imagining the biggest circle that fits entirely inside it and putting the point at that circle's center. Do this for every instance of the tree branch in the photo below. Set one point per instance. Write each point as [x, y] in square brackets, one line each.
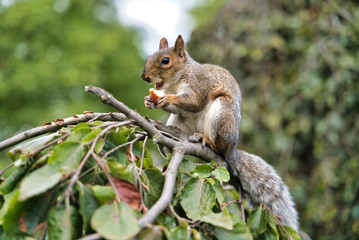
[166, 196]
[58, 124]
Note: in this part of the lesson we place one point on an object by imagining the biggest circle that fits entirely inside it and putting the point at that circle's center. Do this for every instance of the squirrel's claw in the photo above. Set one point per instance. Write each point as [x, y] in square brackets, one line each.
[149, 103]
[199, 138]
[162, 102]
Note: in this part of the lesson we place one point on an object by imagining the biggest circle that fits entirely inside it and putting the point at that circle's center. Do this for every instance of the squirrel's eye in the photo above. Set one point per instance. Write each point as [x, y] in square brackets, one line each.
[165, 61]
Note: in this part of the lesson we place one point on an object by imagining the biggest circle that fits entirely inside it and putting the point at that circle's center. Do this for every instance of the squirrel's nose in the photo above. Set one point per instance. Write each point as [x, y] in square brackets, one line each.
[144, 77]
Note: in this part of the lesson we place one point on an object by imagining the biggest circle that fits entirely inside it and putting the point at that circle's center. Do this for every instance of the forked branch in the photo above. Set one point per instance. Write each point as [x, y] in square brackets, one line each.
[179, 149]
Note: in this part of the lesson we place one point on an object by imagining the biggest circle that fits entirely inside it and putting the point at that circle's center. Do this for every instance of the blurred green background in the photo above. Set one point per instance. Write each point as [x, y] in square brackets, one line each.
[297, 63]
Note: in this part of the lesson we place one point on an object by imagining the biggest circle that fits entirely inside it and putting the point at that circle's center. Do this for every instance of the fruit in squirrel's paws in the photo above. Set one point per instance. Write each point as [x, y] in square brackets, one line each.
[155, 95]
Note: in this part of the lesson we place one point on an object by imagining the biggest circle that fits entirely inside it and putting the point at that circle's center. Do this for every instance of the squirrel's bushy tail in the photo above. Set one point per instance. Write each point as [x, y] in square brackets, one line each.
[263, 185]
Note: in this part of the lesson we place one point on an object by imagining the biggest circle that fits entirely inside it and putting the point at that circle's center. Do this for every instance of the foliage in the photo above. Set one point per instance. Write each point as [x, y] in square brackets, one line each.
[51, 49]
[72, 181]
[298, 67]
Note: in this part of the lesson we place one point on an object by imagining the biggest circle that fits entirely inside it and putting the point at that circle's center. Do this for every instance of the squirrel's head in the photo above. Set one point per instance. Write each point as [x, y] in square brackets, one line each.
[163, 66]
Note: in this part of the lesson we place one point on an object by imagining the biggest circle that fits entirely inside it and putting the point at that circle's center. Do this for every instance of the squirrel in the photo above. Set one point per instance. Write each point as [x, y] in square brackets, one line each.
[205, 102]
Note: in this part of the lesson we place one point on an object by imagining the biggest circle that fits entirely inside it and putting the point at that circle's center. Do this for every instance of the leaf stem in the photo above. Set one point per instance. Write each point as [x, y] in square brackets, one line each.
[276, 218]
[6, 168]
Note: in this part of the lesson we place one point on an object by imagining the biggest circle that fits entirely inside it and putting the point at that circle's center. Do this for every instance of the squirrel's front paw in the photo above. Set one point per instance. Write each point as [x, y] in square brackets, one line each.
[149, 103]
[163, 101]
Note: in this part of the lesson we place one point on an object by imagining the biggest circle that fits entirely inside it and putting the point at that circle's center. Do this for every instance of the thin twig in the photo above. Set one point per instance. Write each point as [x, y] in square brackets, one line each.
[87, 171]
[104, 125]
[276, 218]
[143, 153]
[121, 146]
[241, 202]
[140, 173]
[40, 149]
[100, 115]
[6, 168]
[179, 218]
[119, 196]
[76, 175]
[229, 202]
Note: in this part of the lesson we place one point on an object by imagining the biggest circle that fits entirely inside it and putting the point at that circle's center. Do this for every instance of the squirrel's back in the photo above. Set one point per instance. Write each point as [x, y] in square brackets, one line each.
[217, 80]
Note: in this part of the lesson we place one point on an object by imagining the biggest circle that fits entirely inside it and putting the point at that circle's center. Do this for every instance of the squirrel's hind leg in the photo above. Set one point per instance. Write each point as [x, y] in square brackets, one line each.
[227, 128]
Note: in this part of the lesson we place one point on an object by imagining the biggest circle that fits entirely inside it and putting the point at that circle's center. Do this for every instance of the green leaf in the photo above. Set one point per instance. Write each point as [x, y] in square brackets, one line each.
[294, 235]
[196, 235]
[166, 220]
[67, 156]
[198, 198]
[230, 195]
[11, 224]
[219, 190]
[240, 230]
[103, 193]
[99, 145]
[117, 138]
[272, 229]
[203, 170]
[88, 205]
[222, 219]
[32, 144]
[24, 217]
[63, 222]
[270, 234]
[16, 176]
[126, 132]
[119, 155]
[257, 221]
[39, 181]
[222, 174]
[186, 166]
[79, 132]
[7, 198]
[152, 232]
[155, 181]
[181, 232]
[119, 170]
[115, 221]
[92, 135]
[80, 126]
[147, 163]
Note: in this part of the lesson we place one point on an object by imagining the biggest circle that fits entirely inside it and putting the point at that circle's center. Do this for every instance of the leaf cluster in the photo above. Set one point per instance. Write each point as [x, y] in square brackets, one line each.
[97, 179]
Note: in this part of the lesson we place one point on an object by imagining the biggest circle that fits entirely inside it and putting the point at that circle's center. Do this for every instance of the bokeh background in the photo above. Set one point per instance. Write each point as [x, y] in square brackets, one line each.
[297, 63]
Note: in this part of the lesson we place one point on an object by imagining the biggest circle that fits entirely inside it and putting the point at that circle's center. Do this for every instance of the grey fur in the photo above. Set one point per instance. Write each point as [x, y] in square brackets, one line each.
[263, 185]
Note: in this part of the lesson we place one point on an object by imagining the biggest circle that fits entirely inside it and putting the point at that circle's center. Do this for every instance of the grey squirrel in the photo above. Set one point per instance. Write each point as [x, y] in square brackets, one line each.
[205, 102]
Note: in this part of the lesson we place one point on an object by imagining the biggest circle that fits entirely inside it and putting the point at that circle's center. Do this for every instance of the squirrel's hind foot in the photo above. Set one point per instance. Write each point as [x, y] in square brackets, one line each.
[199, 138]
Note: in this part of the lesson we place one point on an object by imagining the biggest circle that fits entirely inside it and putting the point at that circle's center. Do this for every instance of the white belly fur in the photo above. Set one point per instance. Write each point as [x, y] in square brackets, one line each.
[203, 122]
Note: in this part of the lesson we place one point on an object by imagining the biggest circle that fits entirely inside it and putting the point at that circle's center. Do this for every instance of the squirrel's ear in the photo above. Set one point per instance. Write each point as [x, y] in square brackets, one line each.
[179, 46]
[163, 43]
